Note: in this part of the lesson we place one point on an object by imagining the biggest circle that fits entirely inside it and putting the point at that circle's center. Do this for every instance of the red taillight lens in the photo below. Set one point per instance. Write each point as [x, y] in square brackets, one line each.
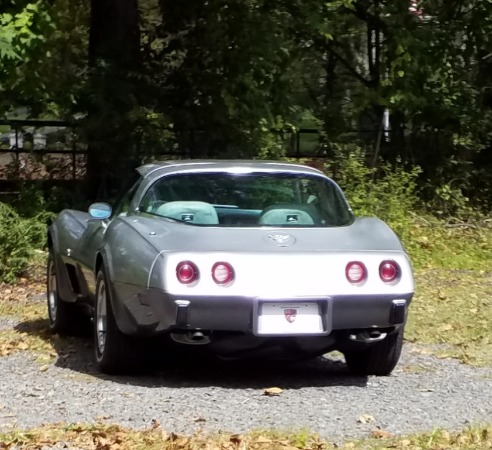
[187, 272]
[355, 272]
[222, 273]
[389, 271]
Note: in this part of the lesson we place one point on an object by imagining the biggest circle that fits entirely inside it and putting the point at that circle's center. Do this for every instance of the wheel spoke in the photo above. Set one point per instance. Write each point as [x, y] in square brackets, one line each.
[52, 292]
[101, 318]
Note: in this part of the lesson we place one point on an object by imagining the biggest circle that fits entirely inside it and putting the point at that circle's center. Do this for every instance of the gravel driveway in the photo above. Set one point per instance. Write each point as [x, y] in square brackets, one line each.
[423, 393]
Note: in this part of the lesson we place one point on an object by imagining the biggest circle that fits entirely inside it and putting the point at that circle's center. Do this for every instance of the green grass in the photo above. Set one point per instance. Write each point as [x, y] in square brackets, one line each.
[452, 306]
[439, 246]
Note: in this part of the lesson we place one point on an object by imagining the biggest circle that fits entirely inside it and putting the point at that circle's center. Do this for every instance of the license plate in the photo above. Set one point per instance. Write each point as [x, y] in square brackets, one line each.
[289, 318]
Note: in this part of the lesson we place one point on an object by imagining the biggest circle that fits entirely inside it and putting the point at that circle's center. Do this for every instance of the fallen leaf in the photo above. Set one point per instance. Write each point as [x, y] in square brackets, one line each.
[381, 434]
[366, 418]
[273, 391]
[103, 417]
[199, 419]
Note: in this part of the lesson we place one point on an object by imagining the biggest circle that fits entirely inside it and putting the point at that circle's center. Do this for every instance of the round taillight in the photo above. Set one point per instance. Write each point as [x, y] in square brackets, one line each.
[187, 272]
[222, 273]
[389, 271]
[355, 272]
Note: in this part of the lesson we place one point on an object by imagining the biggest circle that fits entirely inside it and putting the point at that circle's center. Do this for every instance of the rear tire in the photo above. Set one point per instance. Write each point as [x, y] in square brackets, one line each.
[116, 353]
[63, 316]
[377, 359]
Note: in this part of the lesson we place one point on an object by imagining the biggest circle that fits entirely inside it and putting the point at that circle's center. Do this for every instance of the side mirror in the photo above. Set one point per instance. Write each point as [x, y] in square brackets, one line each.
[100, 210]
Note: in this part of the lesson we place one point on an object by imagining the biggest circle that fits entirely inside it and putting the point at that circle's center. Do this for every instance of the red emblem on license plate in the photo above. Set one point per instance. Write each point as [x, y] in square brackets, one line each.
[290, 314]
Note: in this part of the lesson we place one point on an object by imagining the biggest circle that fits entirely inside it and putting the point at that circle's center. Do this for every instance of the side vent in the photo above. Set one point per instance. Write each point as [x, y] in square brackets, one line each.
[74, 281]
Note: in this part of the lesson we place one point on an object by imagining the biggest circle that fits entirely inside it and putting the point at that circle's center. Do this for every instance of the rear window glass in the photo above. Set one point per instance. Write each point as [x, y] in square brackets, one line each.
[265, 199]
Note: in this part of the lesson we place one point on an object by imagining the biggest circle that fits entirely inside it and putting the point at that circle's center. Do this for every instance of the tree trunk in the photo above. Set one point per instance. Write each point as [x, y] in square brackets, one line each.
[114, 55]
[114, 33]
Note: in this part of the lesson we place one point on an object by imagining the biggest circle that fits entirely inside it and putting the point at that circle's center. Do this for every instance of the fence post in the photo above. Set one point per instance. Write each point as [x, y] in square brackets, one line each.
[298, 144]
[74, 155]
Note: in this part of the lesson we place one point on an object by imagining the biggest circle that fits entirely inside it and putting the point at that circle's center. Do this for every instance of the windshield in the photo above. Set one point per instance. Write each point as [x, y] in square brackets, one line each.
[253, 199]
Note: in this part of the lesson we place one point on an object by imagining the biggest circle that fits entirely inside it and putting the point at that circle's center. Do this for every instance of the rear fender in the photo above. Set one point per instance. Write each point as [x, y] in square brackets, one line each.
[124, 320]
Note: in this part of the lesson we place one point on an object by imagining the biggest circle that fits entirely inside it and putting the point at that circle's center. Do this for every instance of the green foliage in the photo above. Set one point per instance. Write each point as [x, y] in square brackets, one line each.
[271, 139]
[449, 201]
[385, 192]
[23, 49]
[223, 85]
[447, 193]
[19, 237]
[16, 32]
[41, 203]
[30, 202]
[432, 76]
[63, 69]
[271, 146]
[213, 78]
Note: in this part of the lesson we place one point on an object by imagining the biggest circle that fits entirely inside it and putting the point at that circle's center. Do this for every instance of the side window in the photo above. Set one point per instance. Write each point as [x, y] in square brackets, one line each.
[123, 203]
[154, 198]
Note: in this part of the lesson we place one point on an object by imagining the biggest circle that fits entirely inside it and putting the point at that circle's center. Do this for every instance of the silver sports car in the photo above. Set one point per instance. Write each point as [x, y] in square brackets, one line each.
[245, 258]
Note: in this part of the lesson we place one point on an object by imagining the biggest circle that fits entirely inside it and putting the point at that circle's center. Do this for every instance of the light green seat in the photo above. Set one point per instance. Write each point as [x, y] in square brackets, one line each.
[285, 216]
[199, 213]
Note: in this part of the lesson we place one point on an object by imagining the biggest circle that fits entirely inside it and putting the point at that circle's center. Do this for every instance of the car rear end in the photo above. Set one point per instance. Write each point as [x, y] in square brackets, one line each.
[278, 294]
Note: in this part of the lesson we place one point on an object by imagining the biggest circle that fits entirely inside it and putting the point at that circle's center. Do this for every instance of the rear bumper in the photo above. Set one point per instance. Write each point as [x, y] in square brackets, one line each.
[153, 312]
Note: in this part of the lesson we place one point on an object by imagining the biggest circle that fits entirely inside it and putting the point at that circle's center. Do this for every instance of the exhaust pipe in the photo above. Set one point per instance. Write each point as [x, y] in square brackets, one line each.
[368, 336]
[191, 338]
[198, 336]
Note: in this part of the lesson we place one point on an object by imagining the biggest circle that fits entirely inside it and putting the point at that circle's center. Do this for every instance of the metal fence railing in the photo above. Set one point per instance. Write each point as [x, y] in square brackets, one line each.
[41, 149]
[55, 150]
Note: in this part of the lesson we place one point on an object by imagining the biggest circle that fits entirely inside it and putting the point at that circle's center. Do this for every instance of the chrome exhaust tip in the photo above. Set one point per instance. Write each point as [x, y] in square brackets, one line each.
[191, 338]
[368, 336]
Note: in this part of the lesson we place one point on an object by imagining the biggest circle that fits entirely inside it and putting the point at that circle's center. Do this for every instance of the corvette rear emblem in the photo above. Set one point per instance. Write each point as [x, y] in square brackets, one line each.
[290, 314]
[282, 240]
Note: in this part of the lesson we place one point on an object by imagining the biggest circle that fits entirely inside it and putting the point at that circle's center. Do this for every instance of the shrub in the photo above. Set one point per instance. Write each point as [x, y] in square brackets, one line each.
[30, 202]
[385, 192]
[19, 237]
[447, 193]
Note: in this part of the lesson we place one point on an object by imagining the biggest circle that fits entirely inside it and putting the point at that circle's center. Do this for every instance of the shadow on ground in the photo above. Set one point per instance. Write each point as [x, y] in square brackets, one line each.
[195, 367]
